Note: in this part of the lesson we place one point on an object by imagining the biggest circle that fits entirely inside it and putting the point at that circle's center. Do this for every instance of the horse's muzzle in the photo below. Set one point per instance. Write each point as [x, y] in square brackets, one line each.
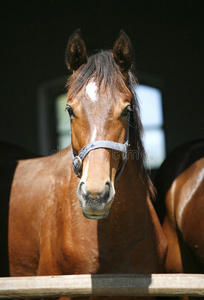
[96, 204]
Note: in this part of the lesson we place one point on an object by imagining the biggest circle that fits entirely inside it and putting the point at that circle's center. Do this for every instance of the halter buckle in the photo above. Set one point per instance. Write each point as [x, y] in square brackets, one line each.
[77, 164]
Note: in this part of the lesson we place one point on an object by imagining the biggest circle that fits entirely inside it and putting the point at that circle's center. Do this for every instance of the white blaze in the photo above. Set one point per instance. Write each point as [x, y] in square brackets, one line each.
[91, 90]
[93, 137]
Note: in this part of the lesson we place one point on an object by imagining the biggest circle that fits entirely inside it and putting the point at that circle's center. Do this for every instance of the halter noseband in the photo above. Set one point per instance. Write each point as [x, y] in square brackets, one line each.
[78, 160]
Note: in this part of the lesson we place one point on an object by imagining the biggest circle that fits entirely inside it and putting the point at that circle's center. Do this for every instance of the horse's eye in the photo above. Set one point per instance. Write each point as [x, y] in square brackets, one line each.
[126, 111]
[70, 111]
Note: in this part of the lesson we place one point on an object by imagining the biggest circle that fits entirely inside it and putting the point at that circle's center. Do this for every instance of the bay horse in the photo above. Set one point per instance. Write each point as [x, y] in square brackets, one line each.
[180, 192]
[64, 221]
[9, 156]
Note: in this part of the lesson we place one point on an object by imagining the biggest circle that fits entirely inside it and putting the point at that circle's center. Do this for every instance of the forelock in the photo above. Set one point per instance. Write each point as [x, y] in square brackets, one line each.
[102, 69]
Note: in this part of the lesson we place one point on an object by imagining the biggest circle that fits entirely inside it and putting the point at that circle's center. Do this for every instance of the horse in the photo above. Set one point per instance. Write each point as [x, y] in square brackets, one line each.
[97, 218]
[9, 156]
[180, 206]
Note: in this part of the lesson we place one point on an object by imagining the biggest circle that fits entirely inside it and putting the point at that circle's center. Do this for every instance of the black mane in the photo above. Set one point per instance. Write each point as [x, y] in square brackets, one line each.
[101, 67]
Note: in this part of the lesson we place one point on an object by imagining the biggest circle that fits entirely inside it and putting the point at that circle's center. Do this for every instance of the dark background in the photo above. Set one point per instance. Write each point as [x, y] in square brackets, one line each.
[168, 38]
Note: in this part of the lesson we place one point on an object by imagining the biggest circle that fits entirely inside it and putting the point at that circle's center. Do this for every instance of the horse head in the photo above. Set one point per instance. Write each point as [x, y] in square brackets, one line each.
[99, 103]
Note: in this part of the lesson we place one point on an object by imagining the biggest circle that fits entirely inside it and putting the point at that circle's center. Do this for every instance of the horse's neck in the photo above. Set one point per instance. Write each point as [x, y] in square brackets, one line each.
[130, 207]
[132, 230]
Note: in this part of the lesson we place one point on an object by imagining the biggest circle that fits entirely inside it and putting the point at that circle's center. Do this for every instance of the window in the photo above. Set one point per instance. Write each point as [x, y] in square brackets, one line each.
[152, 119]
[151, 115]
[62, 122]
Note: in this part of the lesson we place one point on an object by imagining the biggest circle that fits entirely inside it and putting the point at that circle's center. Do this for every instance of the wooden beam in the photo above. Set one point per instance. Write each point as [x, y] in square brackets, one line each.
[103, 285]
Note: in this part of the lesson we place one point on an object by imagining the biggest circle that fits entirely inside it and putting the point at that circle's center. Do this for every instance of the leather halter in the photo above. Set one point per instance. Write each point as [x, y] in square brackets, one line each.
[78, 160]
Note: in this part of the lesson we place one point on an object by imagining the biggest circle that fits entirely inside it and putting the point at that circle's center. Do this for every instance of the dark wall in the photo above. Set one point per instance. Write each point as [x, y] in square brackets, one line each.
[167, 36]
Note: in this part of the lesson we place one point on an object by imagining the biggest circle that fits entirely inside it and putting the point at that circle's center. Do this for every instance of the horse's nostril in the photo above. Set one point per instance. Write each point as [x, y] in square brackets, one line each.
[95, 196]
[108, 184]
[83, 190]
[105, 194]
[107, 187]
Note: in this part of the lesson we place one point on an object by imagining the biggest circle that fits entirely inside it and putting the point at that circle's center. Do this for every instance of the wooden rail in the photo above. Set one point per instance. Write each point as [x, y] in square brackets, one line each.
[103, 285]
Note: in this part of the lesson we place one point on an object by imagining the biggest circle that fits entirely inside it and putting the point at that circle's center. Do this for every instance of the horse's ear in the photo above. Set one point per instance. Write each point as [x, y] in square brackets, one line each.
[75, 52]
[123, 52]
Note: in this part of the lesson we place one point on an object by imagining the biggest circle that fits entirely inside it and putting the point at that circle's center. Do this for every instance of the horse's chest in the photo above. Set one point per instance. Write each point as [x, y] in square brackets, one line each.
[79, 254]
[84, 260]
[92, 260]
[87, 256]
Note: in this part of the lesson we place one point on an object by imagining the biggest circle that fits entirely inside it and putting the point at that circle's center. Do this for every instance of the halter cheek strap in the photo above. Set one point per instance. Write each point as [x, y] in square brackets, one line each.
[78, 160]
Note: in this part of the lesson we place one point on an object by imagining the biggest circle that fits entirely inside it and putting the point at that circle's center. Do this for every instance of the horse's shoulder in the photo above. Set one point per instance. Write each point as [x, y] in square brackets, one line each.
[189, 186]
[37, 183]
[177, 162]
[52, 165]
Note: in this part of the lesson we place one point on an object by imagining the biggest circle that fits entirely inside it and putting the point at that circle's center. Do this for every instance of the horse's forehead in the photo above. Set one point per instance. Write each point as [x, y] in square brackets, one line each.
[92, 91]
[96, 98]
[100, 103]
[95, 94]
[97, 103]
